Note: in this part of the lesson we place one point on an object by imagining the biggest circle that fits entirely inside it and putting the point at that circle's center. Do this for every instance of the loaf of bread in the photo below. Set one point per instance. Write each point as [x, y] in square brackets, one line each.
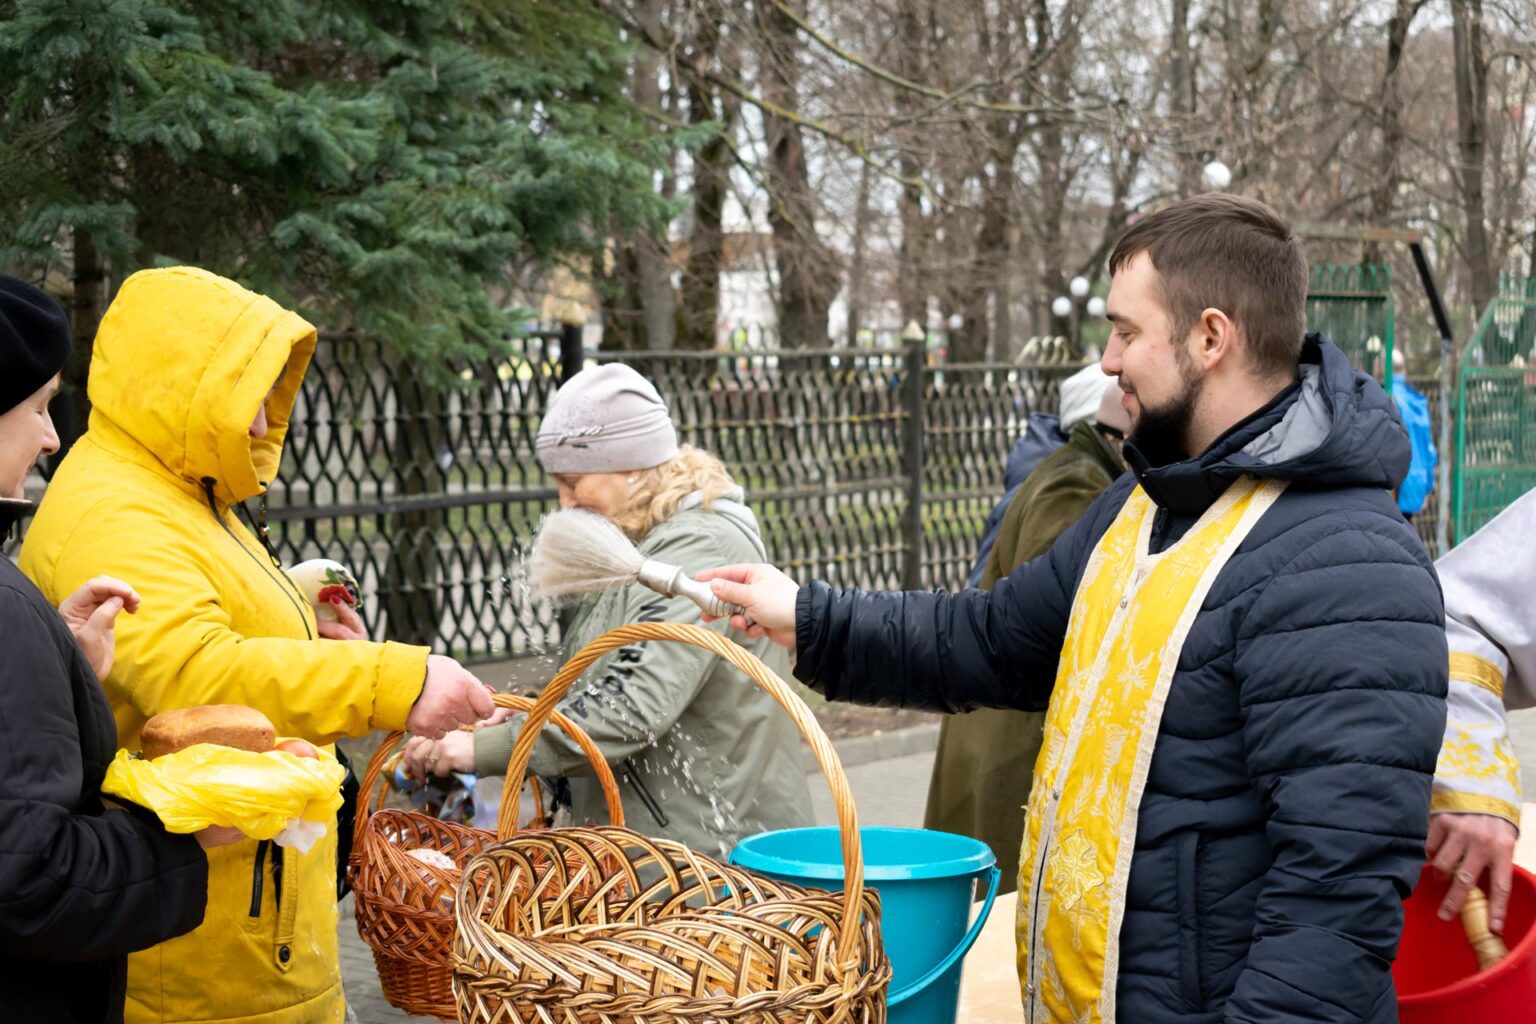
[229, 725]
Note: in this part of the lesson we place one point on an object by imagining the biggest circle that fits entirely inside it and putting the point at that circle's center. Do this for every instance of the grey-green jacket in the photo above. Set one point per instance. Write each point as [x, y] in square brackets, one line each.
[702, 754]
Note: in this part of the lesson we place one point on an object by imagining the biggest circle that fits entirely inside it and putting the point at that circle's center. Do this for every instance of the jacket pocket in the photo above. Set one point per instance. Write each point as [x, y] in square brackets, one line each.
[285, 884]
[258, 887]
[1186, 860]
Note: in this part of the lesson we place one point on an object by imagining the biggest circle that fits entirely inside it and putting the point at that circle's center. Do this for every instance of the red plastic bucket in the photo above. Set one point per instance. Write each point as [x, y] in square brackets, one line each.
[1436, 971]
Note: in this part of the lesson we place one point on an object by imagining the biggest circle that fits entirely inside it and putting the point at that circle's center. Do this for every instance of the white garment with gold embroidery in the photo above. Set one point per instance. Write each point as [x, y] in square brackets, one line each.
[1490, 624]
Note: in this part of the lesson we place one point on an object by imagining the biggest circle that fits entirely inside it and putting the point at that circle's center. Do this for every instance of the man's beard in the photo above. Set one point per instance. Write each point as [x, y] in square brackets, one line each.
[1162, 431]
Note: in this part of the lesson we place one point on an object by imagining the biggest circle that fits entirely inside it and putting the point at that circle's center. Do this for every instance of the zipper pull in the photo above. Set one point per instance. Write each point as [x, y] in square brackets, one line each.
[261, 515]
[261, 527]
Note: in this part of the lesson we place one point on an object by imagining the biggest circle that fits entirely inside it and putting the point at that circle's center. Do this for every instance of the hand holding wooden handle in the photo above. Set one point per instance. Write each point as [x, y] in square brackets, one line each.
[1490, 949]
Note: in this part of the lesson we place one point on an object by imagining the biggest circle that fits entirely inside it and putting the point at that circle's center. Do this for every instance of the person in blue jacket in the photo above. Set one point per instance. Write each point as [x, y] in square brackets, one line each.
[1240, 648]
[1413, 410]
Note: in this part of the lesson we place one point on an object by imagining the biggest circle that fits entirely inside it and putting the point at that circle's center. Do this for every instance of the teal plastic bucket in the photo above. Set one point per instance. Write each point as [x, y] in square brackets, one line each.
[927, 882]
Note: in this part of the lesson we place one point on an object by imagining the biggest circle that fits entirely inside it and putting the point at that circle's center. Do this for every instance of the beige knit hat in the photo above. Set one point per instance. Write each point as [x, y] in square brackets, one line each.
[606, 419]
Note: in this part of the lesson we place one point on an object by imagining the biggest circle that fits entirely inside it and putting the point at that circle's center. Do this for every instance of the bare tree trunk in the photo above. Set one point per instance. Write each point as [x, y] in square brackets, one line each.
[808, 279]
[653, 257]
[1055, 51]
[911, 269]
[1002, 308]
[1471, 144]
[706, 244]
[911, 274]
[700, 307]
[1181, 74]
[856, 266]
[1052, 243]
[413, 574]
[622, 314]
[988, 266]
[1384, 194]
[88, 304]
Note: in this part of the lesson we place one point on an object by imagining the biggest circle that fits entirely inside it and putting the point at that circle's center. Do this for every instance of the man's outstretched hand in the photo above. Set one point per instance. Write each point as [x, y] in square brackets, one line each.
[766, 593]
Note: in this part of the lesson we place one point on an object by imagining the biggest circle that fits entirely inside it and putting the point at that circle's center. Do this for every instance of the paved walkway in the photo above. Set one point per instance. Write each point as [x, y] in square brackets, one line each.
[890, 791]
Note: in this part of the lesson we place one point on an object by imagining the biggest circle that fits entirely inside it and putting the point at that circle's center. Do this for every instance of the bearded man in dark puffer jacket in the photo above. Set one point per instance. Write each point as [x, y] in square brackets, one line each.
[1242, 649]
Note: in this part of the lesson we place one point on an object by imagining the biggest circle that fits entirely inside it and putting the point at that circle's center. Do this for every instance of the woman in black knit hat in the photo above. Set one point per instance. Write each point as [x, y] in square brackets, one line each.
[82, 882]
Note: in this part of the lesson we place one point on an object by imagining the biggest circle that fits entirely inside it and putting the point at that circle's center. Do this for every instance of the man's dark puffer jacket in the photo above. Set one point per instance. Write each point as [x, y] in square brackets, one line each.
[1283, 821]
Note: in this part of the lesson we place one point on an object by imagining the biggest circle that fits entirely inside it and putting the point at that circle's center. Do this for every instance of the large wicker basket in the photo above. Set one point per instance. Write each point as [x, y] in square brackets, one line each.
[403, 906]
[604, 926]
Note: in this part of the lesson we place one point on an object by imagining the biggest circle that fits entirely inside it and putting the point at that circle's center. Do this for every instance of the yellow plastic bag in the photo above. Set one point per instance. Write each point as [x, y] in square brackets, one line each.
[259, 794]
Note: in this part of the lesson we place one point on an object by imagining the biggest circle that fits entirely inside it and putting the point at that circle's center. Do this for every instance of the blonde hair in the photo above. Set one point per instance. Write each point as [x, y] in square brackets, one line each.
[654, 496]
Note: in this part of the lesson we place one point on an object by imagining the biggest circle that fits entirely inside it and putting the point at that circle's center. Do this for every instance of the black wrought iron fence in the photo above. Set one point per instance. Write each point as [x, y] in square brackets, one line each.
[867, 468]
[815, 438]
[430, 494]
[971, 417]
[864, 467]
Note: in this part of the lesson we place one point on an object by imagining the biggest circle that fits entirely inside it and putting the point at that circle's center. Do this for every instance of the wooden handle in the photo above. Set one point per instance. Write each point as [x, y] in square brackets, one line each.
[1490, 949]
[821, 747]
[506, 819]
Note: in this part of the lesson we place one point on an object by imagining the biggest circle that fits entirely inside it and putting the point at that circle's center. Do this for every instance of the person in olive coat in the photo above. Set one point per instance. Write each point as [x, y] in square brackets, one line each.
[985, 763]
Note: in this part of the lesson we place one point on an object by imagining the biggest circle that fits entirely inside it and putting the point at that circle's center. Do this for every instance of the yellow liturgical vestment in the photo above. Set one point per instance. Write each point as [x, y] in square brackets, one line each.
[1131, 615]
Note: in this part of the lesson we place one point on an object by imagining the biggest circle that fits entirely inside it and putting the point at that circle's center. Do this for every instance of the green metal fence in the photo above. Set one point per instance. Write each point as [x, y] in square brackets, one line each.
[1352, 305]
[1496, 409]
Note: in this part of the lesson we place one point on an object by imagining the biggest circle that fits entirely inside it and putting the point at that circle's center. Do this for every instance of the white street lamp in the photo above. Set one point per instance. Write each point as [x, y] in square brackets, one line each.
[1217, 174]
[1078, 286]
[1096, 307]
[1061, 306]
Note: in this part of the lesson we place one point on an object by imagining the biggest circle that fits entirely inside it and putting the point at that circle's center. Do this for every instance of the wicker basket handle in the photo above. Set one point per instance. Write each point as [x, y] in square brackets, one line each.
[506, 818]
[821, 747]
[371, 792]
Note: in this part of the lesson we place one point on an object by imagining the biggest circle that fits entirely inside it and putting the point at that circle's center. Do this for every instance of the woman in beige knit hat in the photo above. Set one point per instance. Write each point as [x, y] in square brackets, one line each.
[702, 755]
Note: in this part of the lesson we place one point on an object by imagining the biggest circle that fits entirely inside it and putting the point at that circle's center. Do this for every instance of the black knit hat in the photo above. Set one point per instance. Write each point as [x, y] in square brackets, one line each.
[34, 340]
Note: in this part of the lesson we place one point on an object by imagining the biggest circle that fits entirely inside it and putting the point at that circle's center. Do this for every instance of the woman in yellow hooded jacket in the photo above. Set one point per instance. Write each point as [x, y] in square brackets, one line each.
[192, 382]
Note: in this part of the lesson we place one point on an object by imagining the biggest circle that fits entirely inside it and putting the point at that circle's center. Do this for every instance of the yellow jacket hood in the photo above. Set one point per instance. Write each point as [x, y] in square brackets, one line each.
[182, 364]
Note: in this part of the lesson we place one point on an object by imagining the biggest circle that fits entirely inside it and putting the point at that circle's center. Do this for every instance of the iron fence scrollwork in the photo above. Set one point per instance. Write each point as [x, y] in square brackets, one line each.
[865, 467]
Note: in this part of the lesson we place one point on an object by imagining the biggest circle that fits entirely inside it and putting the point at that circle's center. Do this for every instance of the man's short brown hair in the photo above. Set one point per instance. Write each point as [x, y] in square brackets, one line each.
[1219, 251]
